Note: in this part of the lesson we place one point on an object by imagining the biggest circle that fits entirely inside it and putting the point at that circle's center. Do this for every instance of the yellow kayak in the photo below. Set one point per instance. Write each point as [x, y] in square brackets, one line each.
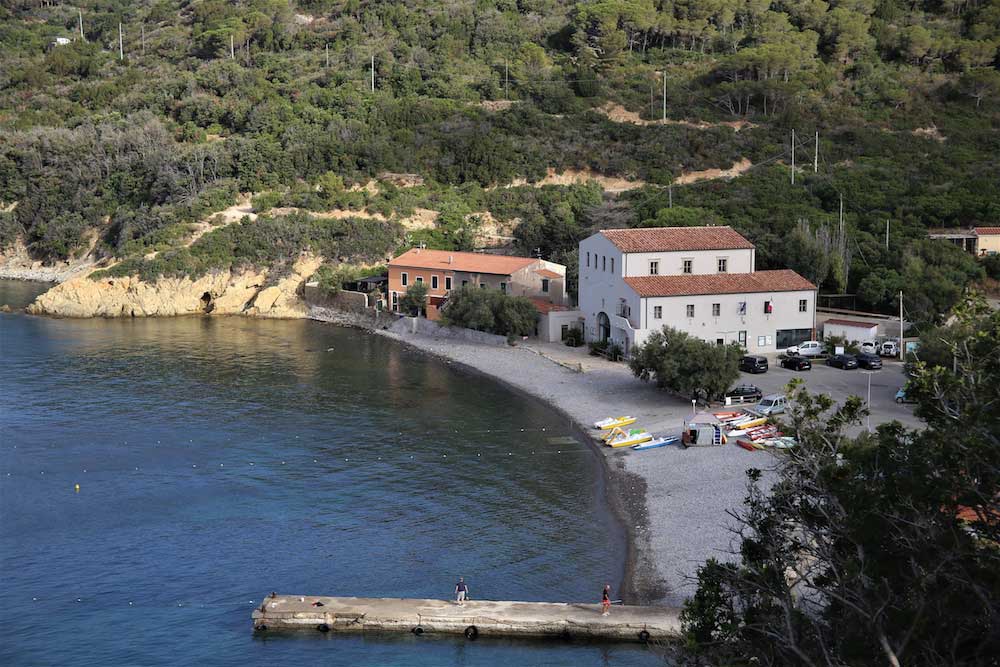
[619, 438]
[614, 422]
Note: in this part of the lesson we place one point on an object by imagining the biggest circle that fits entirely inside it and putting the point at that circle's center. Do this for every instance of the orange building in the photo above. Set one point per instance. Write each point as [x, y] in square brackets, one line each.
[442, 271]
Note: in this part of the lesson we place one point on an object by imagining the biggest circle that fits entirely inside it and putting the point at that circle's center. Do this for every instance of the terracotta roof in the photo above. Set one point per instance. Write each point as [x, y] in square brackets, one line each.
[472, 262]
[665, 239]
[986, 231]
[547, 273]
[544, 306]
[784, 280]
[852, 323]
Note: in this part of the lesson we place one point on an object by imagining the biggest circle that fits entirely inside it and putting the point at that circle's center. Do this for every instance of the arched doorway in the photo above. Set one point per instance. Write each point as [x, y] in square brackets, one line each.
[603, 327]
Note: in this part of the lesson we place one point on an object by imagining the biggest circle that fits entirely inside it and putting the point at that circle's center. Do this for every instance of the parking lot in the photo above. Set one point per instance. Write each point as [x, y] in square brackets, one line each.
[839, 384]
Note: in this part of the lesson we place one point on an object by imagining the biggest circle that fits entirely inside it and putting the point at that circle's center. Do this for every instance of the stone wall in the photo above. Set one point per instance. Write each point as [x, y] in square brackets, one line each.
[344, 300]
[424, 327]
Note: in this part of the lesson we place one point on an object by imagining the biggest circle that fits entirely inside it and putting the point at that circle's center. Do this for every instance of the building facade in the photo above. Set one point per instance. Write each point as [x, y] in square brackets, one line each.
[987, 240]
[443, 271]
[701, 280]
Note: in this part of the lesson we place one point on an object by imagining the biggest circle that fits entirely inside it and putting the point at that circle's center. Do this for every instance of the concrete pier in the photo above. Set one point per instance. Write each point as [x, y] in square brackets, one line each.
[476, 618]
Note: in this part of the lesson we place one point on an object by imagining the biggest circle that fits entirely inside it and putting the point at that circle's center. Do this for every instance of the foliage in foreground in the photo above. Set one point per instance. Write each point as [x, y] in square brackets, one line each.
[491, 311]
[687, 365]
[877, 549]
[414, 302]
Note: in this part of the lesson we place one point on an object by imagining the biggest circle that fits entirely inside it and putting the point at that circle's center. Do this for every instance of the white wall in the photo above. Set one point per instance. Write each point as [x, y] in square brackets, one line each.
[729, 323]
[600, 288]
[550, 325]
[702, 262]
[856, 334]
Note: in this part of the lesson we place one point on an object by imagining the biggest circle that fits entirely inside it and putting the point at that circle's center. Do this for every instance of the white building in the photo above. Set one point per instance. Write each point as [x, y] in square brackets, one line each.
[696, 279]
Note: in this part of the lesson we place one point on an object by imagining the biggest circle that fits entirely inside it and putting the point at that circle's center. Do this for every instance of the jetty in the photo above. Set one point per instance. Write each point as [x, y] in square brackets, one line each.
[474, 619]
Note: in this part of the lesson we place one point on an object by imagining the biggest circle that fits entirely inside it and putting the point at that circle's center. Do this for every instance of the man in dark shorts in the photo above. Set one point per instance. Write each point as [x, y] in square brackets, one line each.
[606, 600]
[461, 590]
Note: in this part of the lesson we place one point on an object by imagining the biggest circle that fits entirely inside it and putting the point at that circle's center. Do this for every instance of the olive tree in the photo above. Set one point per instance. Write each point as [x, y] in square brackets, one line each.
[687, 365]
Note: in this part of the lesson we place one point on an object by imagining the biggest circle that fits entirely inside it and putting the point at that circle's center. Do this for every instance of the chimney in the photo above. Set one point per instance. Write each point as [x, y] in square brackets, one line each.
[451, 258]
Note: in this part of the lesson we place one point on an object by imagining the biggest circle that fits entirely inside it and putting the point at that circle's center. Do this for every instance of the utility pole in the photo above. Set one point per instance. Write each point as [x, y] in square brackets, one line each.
[82, 36]
[793, 157]
[664, 96]
[328, 55]
[232, 48]
[506, 80]
[670, 195]
[900, 325]
[142, 37]
[841, 216]
[373, 74]
[887, 234]
[816, 154]
[121, 44]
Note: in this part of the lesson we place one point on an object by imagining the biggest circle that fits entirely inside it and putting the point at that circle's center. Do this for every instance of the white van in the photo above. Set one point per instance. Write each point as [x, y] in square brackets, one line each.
[772, 404]
[810, 348]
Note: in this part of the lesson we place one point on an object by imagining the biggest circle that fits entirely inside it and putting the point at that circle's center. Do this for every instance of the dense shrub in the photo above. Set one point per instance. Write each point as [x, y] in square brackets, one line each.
[491, 311]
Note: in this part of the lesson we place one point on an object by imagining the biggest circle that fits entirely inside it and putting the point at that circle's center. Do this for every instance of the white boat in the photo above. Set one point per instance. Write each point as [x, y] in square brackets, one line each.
[661, 441]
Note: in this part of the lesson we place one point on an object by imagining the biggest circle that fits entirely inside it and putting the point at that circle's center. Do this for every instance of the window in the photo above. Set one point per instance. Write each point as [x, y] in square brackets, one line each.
[742, 308]
[612, 265]
[768, 308]
[690, 310]
[604, 263]
[657, 312]
[723, 264]
[395, 300]
[465, 283]
[545, 284]
[482, 285]
[719, 341]
[803, 306]
[434, 282]
[588, 260]
[503, 287]
[420, 279]
[404, 279]
[716, 309]
[447, 282]
[686, 266]
[654, 268]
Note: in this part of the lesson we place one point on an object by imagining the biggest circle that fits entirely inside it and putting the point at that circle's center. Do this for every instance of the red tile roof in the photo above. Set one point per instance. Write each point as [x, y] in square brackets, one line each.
[852, 323]
[986, 231]
[544, 306]
[471, 262]
[665, 239]
[548, 273]
[783, 280]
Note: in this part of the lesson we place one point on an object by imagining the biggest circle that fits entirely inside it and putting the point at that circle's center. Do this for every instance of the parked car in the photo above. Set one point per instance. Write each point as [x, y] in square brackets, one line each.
[796, 363]
[809, 348]
[872, 362]
[868, 347]
[772, 404]
[844, 361]
[889, 349]
[745, 393]
[901, 396]
[753, 364]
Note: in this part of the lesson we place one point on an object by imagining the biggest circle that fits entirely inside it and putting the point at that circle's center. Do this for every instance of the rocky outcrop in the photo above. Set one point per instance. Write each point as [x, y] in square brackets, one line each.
[222, 293]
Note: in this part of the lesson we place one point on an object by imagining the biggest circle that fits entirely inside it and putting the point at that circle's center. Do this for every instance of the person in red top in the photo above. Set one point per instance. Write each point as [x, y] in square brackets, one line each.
[606, 600]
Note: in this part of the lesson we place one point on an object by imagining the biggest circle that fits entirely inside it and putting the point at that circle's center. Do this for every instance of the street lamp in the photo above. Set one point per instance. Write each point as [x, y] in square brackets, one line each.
[869, 402]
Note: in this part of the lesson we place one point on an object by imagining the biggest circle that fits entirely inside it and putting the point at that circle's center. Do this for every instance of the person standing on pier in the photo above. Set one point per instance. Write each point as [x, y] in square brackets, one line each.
[461, 590]
[606, 600]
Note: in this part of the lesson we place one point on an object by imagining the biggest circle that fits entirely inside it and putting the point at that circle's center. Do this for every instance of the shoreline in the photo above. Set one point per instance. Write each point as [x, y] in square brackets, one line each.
[632, 586]
[673, 504]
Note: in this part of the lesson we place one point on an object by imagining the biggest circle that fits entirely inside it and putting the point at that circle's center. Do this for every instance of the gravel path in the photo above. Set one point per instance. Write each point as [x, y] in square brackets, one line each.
[675, 501]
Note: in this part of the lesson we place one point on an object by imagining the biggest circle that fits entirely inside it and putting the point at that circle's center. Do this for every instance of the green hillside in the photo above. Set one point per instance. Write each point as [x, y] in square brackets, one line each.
[273, 97]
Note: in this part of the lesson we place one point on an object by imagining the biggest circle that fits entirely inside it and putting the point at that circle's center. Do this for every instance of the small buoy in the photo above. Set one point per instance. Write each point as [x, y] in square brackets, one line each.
[76, 487]
[130, 603]
[471, 632]
[418, 630]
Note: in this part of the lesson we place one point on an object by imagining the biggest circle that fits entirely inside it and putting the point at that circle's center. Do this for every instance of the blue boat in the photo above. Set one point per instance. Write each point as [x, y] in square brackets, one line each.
[658, 442]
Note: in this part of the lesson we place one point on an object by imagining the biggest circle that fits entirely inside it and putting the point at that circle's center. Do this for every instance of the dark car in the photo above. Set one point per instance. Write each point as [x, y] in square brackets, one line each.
[745, 393]
[796, 363]
[870, 361]
[753, 364]
[845, 361]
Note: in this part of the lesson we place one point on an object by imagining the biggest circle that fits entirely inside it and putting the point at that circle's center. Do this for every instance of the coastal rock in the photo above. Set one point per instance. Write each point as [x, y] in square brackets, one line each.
[219, 293]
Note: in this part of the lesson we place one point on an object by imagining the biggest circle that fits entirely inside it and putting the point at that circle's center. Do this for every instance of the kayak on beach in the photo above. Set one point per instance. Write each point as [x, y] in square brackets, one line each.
[661, 441]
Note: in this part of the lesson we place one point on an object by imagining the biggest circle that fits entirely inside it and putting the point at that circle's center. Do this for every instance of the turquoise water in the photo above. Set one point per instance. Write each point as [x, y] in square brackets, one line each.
[222, 458]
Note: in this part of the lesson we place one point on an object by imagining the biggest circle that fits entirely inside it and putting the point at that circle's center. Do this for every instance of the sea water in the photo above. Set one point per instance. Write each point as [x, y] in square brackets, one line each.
[159, 476]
